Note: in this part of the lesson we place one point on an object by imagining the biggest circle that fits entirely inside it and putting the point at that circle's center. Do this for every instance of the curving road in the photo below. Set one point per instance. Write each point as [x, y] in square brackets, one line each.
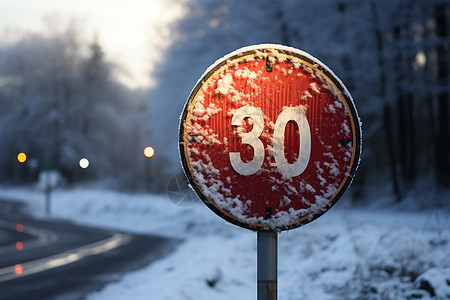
[59, 260]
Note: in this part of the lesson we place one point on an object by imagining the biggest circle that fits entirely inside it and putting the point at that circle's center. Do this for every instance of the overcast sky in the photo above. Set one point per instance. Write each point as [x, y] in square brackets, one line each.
[125, 28]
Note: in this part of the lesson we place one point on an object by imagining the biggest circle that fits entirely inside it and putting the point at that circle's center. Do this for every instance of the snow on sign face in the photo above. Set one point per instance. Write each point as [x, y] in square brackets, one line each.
[269, 138]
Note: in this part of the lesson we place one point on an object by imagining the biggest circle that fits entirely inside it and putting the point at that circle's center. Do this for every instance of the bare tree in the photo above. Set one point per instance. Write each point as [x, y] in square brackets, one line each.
[60, 102]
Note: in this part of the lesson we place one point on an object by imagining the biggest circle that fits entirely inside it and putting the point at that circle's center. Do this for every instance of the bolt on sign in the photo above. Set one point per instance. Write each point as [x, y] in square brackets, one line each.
[269, 138]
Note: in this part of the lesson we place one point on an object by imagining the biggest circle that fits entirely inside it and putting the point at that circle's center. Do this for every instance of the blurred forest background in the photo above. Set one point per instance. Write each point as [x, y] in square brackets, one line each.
[60, 99]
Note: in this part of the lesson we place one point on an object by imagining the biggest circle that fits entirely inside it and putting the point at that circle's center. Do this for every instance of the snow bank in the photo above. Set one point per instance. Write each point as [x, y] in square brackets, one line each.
[347, 254]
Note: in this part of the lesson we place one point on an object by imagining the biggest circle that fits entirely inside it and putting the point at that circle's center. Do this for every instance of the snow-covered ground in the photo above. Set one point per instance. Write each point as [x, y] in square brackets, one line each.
[348, 253]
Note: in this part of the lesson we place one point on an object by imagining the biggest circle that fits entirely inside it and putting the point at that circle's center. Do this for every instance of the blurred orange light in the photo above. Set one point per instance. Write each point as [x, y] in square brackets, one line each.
[149, 151]
[21, 157]
[18, 269]
[19, 246]
[19, 227]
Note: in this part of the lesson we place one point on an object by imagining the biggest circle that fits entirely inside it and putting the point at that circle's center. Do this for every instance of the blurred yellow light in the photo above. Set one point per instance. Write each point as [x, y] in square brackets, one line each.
[84, 163]
[21, 157]
[149, 151]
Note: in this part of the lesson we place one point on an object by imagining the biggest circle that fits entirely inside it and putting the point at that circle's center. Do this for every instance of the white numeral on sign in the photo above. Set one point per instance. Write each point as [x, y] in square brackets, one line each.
[251, 138]
[297, 115]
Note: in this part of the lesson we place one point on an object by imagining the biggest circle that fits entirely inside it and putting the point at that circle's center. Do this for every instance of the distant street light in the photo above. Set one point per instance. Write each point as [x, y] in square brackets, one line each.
[21, 157]
[149, 151]
[84, 163]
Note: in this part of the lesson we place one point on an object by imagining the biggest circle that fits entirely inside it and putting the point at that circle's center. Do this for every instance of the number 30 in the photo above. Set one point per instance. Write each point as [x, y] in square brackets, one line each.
[251, 138]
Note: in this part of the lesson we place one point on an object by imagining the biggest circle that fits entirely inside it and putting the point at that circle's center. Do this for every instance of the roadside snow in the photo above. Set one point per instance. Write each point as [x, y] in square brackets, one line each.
[346, 254]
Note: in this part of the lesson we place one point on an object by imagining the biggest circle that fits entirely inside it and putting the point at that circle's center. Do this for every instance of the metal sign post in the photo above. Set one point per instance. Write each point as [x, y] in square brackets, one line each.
[267, 265]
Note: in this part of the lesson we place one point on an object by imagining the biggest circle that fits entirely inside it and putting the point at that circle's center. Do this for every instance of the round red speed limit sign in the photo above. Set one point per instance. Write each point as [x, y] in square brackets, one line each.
[269, 138]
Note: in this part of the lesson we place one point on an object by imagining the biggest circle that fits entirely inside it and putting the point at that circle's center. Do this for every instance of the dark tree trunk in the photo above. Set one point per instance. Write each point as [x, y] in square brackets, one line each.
[388, 126]
[284, 28]
[443, 53]
[403, 38]
[391, 150]
[406, 136]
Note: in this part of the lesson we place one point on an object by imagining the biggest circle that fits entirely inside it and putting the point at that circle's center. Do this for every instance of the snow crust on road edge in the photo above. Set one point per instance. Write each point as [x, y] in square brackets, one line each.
[341, 254]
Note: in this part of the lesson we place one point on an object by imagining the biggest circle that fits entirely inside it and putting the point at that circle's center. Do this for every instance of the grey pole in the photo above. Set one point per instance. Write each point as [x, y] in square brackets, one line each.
[267, 269]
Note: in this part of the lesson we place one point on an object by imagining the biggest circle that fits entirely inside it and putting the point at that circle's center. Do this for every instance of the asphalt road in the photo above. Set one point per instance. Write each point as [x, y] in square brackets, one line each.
[60, 260]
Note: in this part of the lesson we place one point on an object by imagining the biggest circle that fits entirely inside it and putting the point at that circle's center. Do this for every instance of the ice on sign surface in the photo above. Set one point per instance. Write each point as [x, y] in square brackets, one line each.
[288, 154]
